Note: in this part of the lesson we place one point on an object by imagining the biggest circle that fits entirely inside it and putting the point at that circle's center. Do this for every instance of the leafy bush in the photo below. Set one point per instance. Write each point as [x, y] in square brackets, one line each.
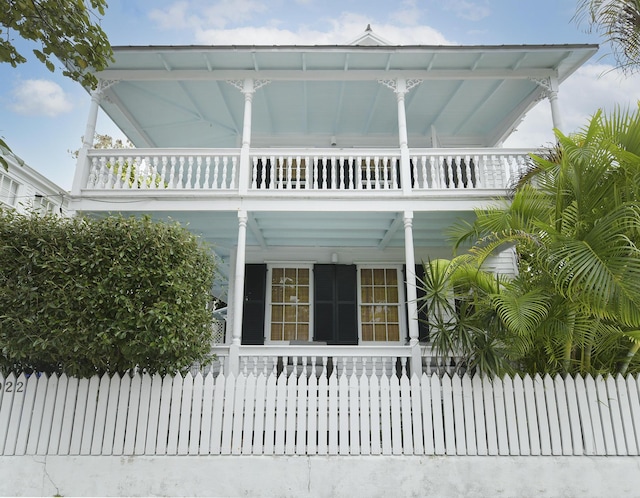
[85, 296]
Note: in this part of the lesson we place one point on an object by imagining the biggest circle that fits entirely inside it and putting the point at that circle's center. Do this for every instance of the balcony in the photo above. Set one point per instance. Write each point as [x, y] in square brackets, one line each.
[308, 172]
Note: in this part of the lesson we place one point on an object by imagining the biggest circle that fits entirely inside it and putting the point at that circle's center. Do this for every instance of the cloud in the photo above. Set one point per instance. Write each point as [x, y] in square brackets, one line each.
[226, 22]
[472, 11]
[592, 87]
[408, 14]
[40, 97]
[203, 15]
[337, 31]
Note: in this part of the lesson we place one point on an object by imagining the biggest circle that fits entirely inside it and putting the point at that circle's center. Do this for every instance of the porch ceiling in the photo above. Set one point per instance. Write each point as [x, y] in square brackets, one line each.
[269, 230]
[471, 96]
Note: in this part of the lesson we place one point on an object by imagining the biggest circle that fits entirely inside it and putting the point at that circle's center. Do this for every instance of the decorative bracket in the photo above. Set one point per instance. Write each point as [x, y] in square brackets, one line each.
[101, 89]
[393, 84]
[257, 84]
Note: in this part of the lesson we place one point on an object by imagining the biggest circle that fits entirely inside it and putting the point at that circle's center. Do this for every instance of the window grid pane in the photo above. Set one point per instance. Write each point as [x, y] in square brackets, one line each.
[379, 304]
[290, 304]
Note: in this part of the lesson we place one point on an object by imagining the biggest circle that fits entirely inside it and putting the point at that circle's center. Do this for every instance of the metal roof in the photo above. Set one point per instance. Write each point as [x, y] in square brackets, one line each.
[181, 96]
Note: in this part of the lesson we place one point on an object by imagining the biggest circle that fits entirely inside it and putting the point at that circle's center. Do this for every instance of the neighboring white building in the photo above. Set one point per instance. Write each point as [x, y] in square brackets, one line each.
[24, 189]
[322, 175]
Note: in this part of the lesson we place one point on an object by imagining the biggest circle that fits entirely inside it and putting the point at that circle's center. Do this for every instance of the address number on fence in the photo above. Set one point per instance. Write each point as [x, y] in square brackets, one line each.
[10, 387]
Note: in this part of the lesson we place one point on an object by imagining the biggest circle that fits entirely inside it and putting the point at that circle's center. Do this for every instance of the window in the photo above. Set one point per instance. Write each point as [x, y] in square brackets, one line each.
[290, 303]
[380, 305]
[8, 190]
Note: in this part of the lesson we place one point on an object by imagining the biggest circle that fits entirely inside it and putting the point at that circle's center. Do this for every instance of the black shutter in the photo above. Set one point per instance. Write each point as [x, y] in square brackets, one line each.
[255, 288]
[335, 294]
[423, 325]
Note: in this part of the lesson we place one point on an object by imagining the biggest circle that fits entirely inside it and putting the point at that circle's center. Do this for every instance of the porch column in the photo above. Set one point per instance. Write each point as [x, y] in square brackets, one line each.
[412, 296]
[248, 87]
[238, 295]
[401, 87]
[82, 168]
[245, 166]
[550, 86]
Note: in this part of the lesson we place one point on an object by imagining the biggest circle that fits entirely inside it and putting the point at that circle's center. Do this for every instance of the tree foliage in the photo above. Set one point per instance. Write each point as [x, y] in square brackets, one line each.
[619, 22]
[85, 296]
[65, 29]
[574, 220]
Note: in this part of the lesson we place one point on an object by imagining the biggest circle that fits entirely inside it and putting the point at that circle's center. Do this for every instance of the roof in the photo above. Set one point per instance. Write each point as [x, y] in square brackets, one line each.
[181, 96]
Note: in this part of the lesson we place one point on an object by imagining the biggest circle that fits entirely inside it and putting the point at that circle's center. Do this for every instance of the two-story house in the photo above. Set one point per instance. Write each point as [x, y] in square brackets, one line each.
[322, 175]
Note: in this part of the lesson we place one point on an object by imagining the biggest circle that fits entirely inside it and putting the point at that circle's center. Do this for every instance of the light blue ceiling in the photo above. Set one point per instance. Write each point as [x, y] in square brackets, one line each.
[472, 96]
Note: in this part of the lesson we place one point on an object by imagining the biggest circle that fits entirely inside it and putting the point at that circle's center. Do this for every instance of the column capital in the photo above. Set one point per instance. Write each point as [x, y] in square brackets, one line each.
[248, 86]
[101, 88]
[401, 86]
[549, 85]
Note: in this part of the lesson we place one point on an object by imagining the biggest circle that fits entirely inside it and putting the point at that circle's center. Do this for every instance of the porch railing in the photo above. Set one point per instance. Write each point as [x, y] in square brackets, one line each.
[321, 360]
[318, 170]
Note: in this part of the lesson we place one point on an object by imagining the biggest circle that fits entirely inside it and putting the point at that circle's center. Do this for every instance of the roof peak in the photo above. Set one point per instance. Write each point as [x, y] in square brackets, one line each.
[369, 38]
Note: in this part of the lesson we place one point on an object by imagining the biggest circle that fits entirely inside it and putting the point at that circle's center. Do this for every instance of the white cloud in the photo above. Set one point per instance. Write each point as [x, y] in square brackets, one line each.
[338, 31]
[40, 97]
[203, 15]
[225, 23]
[472, 11]
[592, 87]
[409, 13]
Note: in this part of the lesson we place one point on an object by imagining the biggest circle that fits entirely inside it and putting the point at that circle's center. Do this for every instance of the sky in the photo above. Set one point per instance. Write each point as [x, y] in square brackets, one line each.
[43, 115]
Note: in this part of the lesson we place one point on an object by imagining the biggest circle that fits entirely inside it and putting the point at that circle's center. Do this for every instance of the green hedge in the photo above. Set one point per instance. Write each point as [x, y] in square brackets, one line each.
[85, 296]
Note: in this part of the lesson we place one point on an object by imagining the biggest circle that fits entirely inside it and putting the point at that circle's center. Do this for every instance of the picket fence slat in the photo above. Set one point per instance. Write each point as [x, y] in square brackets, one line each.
[207, 415]
[22, 436]
[615, 403]
[36, 416]
[47, 418]
[69, 413]
[549, 414]
[121, 416]
[633, 386]
[155, 401]
[78, 416]
[309, 409]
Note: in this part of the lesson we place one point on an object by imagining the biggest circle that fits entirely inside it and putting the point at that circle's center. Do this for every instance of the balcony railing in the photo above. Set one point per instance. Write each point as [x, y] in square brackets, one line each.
[303, 169]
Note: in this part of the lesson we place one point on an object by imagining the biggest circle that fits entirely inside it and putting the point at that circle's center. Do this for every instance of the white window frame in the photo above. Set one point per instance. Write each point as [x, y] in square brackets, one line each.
[401, 303]
[285, 265]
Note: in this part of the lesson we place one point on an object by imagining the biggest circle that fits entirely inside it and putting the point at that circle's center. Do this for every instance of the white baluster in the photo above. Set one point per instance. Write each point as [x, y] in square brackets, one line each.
[333, 173]
[187, 184]
[386, 165]
[254, 173]
[196, 183]
[207, 171]
[414, 167]
[424, 171]
[298, 175]
[216, 172]
[163, 172]
[315, 173]
[367, 171]
[289, 161]
[234, 173]
[180, 182]
[225, 165]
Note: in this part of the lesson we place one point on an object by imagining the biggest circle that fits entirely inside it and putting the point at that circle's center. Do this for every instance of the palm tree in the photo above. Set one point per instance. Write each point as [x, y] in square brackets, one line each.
[574, 219]
[619, 22]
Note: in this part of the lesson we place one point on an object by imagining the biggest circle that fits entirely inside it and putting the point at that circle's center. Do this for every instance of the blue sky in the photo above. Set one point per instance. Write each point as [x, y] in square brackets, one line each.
[43, 114]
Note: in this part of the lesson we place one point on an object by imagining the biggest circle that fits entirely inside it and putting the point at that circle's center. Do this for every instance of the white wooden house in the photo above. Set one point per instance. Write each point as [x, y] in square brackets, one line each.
[24, 189]
[322, 175]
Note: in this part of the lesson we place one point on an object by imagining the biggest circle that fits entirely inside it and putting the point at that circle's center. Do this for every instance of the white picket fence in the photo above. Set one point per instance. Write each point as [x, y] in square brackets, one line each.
[331, 413]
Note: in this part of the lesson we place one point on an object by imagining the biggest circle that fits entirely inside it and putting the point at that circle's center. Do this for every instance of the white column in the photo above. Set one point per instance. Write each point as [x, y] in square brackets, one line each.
[553, 100]
[412, 295]
[405, 164]
[410, 261]
[245, 166]
[82, 165]
[238, 294]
